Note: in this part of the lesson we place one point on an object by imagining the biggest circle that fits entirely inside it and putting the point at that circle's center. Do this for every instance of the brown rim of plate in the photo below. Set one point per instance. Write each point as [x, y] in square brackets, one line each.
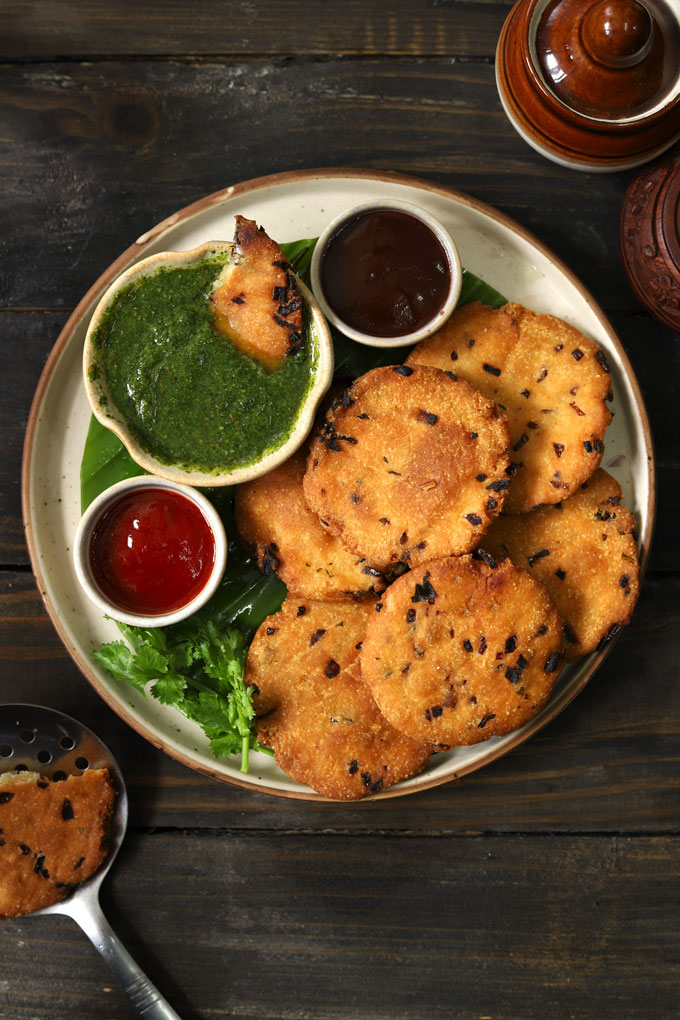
[422, 781]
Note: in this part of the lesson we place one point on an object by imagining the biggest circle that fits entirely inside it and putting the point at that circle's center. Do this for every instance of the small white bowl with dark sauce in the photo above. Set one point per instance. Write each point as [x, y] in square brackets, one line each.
[386, 273]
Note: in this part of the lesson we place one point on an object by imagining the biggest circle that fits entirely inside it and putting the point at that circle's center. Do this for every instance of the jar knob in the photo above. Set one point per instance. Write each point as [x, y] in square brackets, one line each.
[617, 33]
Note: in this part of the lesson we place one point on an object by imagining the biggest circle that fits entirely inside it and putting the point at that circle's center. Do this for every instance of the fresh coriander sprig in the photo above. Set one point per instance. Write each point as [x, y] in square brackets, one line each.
[197, 667]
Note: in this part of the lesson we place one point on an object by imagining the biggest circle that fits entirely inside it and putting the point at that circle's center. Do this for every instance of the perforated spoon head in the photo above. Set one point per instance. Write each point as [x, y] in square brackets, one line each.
[43, 740]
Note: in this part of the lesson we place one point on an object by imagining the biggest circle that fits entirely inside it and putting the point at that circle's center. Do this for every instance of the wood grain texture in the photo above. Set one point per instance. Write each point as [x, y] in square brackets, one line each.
[335, 928]
[609, 762]
[42, 30]
[544, 885]
[95, 155]
[26, 339]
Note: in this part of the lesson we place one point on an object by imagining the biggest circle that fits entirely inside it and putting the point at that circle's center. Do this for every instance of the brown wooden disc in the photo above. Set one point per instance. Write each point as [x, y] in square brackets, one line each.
[650, 238]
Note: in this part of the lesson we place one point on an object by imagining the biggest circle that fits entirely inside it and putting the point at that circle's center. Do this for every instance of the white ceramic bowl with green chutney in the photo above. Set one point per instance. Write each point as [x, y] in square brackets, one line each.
[188, 405]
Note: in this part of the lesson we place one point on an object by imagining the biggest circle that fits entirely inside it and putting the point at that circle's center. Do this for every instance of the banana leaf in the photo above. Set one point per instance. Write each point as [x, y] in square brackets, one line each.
[105, 461]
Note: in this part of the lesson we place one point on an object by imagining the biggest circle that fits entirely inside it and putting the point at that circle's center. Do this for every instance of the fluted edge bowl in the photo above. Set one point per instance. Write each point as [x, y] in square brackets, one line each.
[105, 410]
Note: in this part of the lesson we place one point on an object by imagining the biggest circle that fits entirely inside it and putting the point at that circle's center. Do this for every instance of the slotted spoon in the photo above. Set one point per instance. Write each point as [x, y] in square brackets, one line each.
[43, 740]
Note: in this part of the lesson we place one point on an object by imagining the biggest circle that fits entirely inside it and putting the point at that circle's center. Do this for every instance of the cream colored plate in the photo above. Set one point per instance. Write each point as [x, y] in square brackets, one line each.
[292, 206]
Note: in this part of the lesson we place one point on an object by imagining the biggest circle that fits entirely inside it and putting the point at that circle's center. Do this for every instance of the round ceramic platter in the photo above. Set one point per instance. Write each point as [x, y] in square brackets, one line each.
[291, 206]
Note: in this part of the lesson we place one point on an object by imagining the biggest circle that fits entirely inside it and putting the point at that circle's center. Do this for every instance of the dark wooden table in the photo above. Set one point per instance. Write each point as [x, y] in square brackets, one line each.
[544, 885]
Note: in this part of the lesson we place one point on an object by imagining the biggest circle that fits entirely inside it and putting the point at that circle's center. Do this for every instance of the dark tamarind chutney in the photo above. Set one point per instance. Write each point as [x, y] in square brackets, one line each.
[385, 273]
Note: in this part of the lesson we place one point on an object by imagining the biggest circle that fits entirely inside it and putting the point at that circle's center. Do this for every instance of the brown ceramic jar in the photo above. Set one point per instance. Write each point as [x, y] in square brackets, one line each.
[592, 84]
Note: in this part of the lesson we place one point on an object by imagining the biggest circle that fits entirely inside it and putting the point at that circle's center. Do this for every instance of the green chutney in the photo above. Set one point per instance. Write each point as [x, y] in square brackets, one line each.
[187, 394]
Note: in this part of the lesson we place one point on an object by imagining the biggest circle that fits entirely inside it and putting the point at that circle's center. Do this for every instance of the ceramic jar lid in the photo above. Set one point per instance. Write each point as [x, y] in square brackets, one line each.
[592, 84]
[650, 238]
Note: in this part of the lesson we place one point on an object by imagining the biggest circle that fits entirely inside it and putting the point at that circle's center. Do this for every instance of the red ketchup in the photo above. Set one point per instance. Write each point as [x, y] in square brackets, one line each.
[152, 551]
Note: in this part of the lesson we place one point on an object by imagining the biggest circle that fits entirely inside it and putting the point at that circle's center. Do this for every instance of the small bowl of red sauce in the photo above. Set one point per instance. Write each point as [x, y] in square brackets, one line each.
[150, 552]
[386, 273]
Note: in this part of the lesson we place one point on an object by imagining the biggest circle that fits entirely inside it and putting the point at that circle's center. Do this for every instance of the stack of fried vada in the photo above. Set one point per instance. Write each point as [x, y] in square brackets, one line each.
[323, 722]
[410, 466]
[550, 381]
[448, 541]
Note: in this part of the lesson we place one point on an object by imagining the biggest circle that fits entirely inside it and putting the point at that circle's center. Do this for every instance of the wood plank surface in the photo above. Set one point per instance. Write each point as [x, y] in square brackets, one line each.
[26, 339]
[471, 928]
[94, 155]
[31, 30]
[542, 886]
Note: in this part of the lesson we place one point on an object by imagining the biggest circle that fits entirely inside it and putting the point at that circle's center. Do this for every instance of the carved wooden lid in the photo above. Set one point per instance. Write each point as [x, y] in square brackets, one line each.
[593, 83]
[650, 238]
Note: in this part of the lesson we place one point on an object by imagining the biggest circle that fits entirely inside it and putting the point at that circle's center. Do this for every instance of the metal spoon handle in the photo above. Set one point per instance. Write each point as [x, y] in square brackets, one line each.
[145, 996]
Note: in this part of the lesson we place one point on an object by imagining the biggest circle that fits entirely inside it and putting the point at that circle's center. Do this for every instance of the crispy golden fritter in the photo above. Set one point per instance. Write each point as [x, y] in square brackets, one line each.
[321, 721]
[548, 378]
[584, 552]
[288, 539]
[52, 836]
[256, 300]
[463, 649]
[410, 466]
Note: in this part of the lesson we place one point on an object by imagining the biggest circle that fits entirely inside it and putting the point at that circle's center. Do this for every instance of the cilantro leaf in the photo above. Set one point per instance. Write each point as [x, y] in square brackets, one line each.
[169, 689]
[197, 667]
[136, 667]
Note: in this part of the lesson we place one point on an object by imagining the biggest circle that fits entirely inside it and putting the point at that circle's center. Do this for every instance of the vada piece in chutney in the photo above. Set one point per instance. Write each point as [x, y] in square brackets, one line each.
[256, 300]
[190, 403]
[463, 649]
[321, 721]
[274, 521]
[584, 552]
[409, 467]
[551, 382]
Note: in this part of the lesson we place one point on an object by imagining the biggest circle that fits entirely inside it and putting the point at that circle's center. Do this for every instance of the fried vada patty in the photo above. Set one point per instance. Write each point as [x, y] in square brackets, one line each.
[52, 836]
[272, 517]
[321, 721]
[410, 466]
[462, 649]
[584, 552]
[547, 377]
[256, 300]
